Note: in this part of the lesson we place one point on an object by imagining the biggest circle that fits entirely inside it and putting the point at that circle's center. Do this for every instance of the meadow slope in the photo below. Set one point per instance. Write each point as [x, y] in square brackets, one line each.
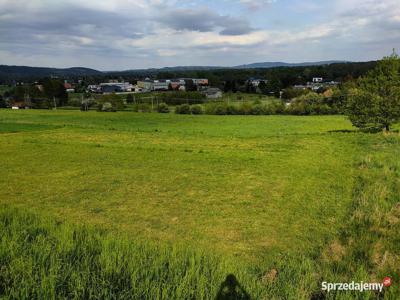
[267, 192]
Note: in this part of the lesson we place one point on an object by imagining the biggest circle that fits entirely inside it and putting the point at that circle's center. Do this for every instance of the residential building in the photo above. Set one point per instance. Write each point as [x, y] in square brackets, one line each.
[256, 81]
[177, 84]
[200, 81]
[317, 80]
[153, 85]
[93, 88]
[212, 93]
[115, 87]
[160, 85]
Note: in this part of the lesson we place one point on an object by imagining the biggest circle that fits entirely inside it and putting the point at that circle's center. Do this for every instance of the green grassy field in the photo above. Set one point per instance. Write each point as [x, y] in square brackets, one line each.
[308, 196]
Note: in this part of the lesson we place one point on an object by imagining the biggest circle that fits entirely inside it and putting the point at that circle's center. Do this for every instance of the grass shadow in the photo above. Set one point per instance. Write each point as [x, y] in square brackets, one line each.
[343, 131]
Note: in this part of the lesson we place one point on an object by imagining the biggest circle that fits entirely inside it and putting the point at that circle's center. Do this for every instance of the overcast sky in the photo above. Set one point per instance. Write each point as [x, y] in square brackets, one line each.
[131, 34]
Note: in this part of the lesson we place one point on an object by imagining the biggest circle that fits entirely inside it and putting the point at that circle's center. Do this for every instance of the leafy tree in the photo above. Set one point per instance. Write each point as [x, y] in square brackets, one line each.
[190, 86]
[54, 91]
[375, 102]
[3, 103]
[249, 88]
[262, 87]
[272, 87]
[129, 98]
[227, 86]
[18, 93]
[234, 89]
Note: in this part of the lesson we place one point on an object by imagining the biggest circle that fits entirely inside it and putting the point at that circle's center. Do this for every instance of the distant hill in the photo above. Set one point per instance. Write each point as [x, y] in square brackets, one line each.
[154, 71]
[267, 65]
[260, 65]
[8, 73]
[22, 72]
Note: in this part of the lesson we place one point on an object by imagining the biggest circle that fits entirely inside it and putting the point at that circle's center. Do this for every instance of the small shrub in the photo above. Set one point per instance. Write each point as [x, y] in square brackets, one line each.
[257, 109]
[163, 108]
[183, 109]
[210, 108]
[106, 107]
[232, 109]
[324, 109]
[196, 109]
[221, 109]
[116, 102]
[245, 108]
[216, 108]
[144, 107]
[274, 107]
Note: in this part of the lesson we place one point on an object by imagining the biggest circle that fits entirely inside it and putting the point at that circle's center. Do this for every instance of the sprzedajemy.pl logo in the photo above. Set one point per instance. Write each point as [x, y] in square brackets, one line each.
[356, 286]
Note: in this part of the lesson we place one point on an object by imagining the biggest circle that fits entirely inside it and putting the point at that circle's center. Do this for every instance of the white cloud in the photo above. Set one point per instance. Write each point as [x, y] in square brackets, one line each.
[123, 34]
[256, 4]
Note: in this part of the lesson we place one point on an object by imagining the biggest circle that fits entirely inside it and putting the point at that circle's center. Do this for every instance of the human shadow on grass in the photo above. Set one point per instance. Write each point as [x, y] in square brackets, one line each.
[231, 289]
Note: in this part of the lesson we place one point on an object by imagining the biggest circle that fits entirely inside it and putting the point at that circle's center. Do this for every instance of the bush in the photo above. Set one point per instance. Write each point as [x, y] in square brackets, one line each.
[180, 97]
[142, 107]
[296, 108]
[196, 109]
[115, 101]
[308, 104]
[257, 109]
[183, 109]
[163, 108]
[106, 107]
[291, 93]
[232, 109]
[324, 109]
[129, 98]
[3, 102]
[245, 108]
[221, 109]
[74, 101]
[216, 108]
[274, 107]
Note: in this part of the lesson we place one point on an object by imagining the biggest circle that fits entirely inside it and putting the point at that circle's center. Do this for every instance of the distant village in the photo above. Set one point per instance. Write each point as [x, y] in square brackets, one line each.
[184, 84]
[201, 86]
[147, 85]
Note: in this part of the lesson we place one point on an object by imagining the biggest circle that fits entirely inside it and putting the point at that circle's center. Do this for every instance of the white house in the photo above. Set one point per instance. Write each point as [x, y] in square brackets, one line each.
[212, 93]
[317, 79]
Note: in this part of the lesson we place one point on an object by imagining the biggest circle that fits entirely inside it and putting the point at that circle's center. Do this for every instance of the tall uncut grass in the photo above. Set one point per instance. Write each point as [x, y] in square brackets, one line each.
[42, 259]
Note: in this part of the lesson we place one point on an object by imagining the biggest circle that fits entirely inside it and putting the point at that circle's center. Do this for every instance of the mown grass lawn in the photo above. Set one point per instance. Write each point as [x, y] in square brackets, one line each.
[250, 187]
